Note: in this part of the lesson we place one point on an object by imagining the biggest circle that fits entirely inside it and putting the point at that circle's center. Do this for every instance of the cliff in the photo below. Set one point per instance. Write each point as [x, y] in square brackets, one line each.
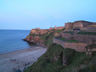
[58, 59]
[43, 36]
[75, 48]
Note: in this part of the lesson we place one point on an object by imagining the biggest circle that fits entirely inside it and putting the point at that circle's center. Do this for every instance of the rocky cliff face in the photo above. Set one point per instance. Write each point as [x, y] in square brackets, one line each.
[36, 35]
[39, 31]
[59, 58]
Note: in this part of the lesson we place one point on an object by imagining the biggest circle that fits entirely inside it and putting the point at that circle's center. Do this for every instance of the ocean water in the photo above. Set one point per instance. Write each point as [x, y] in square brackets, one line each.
[11, 40]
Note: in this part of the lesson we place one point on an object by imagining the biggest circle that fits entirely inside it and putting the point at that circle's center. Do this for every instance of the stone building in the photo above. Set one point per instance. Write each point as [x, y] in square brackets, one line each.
[56, 28]
[82, 25]
[39, 31]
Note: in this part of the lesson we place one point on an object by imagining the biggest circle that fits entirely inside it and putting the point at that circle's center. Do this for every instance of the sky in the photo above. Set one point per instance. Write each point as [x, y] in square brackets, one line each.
[29, 14]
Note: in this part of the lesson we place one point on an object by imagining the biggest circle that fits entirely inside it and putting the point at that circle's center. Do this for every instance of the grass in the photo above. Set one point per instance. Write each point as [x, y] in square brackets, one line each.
[59, 30]
[87, 33]
[46, 62]
[48, 37]
[71, 32]
[82, 33]
[71, 41]
[76, 61]
[51, 61]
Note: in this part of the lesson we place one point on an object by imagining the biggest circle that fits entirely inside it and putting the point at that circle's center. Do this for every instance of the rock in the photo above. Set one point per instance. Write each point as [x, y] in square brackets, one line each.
[67, 55]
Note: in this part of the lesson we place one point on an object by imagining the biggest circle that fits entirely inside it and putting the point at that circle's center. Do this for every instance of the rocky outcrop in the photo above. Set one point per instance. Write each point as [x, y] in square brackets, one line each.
[36, 34]
[34, 40]
[39, 31]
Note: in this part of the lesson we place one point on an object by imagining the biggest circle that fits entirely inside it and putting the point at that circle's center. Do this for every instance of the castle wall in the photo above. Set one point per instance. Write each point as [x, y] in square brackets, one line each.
[78, 25]
[66, 35]
[82, 25]
[80, 47]
[82, 38]
[85, 38]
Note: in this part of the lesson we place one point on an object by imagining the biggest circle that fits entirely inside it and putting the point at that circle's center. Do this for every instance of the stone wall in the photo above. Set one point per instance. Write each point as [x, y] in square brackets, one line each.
[85, 38]
[82, 25]
[66, 35]
[82, 38]
[80, 47]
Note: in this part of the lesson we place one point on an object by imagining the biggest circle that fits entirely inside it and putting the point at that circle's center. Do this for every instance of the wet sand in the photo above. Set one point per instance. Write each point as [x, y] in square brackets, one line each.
[10, 62]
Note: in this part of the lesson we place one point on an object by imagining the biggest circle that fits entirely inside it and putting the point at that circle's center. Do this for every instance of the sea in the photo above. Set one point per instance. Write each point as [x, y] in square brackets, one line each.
[12, 40]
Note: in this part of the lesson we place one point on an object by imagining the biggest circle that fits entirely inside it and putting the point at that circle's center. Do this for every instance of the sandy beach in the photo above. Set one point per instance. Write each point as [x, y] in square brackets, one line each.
[10, 62]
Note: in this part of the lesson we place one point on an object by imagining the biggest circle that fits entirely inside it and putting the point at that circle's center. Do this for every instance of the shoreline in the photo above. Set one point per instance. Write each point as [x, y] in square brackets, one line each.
[19, 50]
[31, 47]
[20, 59]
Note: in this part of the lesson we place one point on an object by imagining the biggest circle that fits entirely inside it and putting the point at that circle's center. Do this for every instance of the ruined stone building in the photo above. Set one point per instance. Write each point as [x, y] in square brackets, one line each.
[82, 25]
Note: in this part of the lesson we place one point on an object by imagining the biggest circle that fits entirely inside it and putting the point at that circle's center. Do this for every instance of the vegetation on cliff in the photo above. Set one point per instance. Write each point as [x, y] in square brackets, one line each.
[87, 33]
[48, 37]
[70, 41]
[56, 55]
[45, 39]
[59, 59]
